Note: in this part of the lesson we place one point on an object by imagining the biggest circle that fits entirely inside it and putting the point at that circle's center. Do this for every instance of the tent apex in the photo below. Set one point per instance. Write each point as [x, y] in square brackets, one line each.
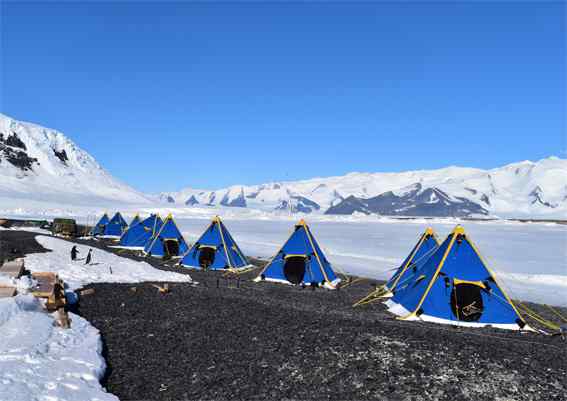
[458, 230]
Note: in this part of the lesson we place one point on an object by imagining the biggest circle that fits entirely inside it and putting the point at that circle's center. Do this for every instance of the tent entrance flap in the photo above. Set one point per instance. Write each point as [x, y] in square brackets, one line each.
[466, 301]
[171, 247]
[294, 268]
[206, 256]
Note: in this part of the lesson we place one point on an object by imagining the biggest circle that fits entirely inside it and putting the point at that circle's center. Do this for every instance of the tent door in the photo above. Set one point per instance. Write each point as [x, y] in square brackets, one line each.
[170, 248]
[206, 257]
[294, 269]
[466, 301]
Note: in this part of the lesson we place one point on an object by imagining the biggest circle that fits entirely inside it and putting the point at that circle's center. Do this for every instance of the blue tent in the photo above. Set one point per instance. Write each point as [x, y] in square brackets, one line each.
[454, 286]
[215, 250]
[135, 220]
[423, 249]
[138, 235]
[168, 241]
[101, 225]
[116, 226]
[301, 262]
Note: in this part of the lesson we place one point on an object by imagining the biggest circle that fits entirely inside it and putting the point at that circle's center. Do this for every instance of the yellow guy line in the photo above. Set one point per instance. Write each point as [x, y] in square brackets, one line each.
[555, 312]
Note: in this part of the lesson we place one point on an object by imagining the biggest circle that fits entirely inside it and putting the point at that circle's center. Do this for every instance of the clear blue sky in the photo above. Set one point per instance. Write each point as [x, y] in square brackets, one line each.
[168, 95]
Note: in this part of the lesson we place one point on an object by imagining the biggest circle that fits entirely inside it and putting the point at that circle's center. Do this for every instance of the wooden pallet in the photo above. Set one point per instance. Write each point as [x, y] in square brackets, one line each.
[51, 288]
[48, 287]
[13, 269]
[7, 292]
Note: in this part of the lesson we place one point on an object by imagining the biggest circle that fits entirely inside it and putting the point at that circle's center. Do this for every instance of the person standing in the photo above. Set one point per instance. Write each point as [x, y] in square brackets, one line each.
[89, 257]
[74, 252]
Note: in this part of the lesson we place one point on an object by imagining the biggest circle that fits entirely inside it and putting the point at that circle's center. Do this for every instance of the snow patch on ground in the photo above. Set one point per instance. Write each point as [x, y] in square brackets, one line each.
[104, 268]
[40, 361]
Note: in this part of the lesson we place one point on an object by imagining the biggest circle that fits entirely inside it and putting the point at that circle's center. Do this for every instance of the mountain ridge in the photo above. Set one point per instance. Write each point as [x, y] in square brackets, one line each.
[521, 189]
[44, 165]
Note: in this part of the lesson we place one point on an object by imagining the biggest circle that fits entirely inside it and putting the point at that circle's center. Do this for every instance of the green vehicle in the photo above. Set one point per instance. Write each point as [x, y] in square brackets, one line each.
[64, 227]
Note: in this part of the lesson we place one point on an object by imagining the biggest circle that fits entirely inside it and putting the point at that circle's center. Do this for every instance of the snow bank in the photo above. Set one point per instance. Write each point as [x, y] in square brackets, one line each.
[105, 267]
[40, 361]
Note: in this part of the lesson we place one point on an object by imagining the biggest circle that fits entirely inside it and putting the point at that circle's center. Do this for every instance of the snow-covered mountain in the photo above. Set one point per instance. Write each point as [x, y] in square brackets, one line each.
[524, 190]
[42, 165]
[412, 201]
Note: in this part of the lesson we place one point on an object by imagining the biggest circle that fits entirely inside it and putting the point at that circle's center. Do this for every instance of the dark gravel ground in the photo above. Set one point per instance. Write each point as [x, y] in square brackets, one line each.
[16, 244]
[273, 342]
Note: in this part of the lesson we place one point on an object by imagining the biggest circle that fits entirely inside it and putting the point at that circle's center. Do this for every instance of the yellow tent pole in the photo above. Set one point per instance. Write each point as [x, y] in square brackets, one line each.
[278, 252]
[237, 249]
[217, 220]
[196, 242]
[493, 276]
[169, 216]
[380, 291]
[302, 222]
[458, 230]
[410, 259]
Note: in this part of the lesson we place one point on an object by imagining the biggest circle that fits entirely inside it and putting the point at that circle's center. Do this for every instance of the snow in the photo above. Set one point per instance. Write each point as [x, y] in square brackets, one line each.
[81, 183]
[79, 180]
[529, 259]
[504, 191]
[40, 361]
[399, 310]
[106, 267]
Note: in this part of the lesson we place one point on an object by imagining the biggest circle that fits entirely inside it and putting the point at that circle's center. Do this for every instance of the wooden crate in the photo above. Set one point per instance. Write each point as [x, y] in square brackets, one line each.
[13, 269]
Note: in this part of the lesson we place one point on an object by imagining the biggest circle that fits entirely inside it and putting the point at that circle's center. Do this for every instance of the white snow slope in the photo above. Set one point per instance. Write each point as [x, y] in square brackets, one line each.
[106, 267]
[40, 361]
[73, 178]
